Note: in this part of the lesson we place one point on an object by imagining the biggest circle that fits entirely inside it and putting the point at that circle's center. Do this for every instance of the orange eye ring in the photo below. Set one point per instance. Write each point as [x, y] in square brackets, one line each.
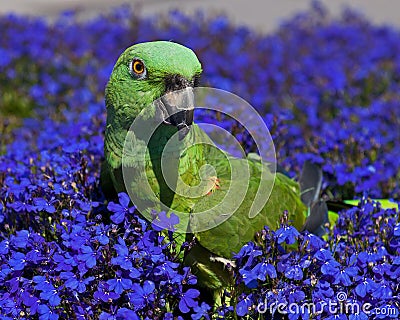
[138, 67]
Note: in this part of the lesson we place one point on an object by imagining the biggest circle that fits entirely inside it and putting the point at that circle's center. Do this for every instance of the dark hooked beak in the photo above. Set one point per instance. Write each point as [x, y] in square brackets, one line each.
[178, 108]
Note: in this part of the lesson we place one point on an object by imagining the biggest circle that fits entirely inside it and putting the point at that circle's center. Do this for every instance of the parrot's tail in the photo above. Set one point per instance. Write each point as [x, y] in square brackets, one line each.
[318, 209]
[310, 182]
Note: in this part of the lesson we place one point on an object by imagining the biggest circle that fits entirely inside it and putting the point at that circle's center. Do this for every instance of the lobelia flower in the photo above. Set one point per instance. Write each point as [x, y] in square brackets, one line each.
[51, 294]
[46, 313]
[365, 287]
[88, 256]
[382, 291]
[201, 312]
[30, 301]
[103, 293]
[121, 209]
[140, 296]
[287, 234]
[119, 284]
[165, 222]
[344, 275]
[187, 300]
[72, 282]
[243, 306]
[17, 261]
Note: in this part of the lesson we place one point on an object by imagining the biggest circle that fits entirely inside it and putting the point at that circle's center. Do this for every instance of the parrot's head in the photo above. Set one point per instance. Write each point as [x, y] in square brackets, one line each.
[148, 71]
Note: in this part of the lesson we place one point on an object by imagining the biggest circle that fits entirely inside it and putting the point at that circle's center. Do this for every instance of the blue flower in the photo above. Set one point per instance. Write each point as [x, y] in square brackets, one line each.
[1, 212]
[247, 250]
[365, 287]
[30, 301]
[164, 222]
[382, 291]
[294, 272]
[323, 291]
[42, 283]
[122, 313]
[358, 316]
[123, 258]
[187, 300]
[331, 267]
[263, 269]
[18, 261]
[367, 257]
[140, 296]
[75, 147]
[296, 295]
[101, 235]
[121, 209]
[103, 293]
[287, 234]
[6, 57]
[336, 317]
[51, 294]
[126, 313]
[118, 285]
[243, 306]
[298, 313]
[4, 247]
[88, 256]
[249, 277]
[45, 313]
[22, 206]
[72, 282]
[43, 205]
[323, 255]
[21, 239]
[344, 276]
[201, 312]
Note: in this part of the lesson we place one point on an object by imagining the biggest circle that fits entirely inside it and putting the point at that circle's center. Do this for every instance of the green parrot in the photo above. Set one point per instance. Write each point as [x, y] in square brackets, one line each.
[167, 72]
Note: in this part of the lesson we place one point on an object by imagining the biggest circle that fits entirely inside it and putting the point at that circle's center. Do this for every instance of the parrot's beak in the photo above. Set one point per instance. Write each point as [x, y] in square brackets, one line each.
[179, 106]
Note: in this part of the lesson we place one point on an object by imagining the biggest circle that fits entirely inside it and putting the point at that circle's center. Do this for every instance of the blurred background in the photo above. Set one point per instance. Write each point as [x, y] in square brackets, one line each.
[240, 12]
[324, 75]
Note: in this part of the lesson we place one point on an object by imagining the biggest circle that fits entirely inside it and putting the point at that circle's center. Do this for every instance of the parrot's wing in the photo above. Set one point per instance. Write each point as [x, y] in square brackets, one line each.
[231, 234]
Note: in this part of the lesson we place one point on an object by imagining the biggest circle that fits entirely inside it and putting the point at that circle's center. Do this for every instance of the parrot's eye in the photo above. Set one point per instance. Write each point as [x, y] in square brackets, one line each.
[137, 68]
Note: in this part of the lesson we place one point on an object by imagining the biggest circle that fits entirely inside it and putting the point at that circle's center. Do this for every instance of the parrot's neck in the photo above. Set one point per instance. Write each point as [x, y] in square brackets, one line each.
[119, 121]
[115, 134]
[166, 172]
[114, 143]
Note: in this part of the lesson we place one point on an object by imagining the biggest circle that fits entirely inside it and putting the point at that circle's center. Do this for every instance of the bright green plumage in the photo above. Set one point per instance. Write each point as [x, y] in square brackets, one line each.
[126, 96]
